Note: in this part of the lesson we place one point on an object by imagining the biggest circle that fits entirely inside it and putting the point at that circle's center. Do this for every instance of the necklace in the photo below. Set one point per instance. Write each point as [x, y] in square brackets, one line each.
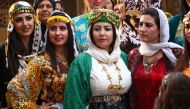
[113, 88]
[148, 65]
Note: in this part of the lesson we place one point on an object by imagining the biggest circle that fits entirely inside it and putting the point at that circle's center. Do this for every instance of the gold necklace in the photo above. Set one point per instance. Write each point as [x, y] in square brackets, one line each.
[113, 88]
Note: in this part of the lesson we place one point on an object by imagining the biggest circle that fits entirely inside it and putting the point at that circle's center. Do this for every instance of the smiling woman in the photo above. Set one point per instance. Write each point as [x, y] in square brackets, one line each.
[24, 41]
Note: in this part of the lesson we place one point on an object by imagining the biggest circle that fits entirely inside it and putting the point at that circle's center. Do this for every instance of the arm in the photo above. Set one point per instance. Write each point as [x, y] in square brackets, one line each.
[77, 90]
[24, 88]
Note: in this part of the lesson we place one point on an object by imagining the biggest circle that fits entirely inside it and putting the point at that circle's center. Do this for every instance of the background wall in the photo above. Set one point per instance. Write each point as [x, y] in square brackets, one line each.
[73, 8]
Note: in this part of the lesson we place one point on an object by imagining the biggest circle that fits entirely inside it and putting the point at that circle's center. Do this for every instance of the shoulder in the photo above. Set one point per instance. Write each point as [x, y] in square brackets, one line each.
[133, 58]
[177, 52]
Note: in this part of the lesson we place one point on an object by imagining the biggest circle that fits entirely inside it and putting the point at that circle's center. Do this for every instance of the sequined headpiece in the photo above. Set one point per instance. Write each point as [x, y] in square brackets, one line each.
[57, 18]
[20, 7]
[104, 15]
[186, 17]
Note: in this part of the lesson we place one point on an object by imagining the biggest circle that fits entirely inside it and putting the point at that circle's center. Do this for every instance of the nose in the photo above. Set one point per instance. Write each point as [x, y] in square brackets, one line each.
[57, 32]
[24, 22]
[102, 32]
[44, 8]
[115, 7]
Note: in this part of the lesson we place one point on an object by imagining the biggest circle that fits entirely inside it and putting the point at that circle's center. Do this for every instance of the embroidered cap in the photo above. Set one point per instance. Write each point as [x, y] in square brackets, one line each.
[104, 15]
[58, 16]
[20, 7]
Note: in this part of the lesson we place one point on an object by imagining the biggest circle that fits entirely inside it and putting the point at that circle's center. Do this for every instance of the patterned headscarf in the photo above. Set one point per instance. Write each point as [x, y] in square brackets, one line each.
[16, 9]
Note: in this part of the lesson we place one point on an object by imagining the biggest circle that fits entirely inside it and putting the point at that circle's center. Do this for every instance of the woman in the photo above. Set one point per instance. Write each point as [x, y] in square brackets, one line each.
[24, 41]
[174, 92]
[43, 9]
[99, 77]
[176, 24]
[81, 23]
[129, 12]
[43, 79]
[110, 4]
[183, 61]
[153, 59]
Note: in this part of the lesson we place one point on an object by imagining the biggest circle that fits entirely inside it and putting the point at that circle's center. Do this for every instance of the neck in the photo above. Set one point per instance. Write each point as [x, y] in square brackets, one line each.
[25, 41]
[60, 52]
[153, 58]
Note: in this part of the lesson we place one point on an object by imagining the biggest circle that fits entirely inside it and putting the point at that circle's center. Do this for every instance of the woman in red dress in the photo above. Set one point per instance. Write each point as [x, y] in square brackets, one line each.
[153, 59]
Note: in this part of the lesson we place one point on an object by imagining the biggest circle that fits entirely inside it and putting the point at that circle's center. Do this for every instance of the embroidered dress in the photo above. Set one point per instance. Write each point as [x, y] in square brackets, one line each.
[37, 80]
[147, 85]
[81, 29]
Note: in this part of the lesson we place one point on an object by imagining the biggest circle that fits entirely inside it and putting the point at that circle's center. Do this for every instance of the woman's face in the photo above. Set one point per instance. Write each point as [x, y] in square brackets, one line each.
[44, 10]
[148, 29]
[24, 24]
[109, 4]
[120, 9]
[103, 35]
[187, 31]
[97, 4]
[58, 34]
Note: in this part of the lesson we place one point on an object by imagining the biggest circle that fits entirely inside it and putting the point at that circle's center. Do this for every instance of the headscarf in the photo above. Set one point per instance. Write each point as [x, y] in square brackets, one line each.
[148, 49]
[16, 9]
[58, 17]
[37, 2]
[104, 15]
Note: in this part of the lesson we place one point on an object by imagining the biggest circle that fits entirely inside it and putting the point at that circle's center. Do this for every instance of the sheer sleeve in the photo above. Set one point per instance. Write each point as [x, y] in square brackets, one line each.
[24, 88]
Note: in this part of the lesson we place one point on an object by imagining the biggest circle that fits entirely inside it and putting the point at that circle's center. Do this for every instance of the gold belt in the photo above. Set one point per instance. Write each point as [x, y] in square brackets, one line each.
[108, 98]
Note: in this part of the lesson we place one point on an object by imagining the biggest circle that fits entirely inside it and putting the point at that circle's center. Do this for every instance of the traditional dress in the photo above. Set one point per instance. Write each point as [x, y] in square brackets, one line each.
[97, 79]
[147, 78]
[38, 80]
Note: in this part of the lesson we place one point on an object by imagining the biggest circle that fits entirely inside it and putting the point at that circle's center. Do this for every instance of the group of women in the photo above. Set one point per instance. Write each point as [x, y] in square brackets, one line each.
[40, 66]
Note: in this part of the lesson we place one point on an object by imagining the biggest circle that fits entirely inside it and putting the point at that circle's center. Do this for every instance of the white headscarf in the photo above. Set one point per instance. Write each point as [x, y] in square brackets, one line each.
[148, 49]
[103, 55]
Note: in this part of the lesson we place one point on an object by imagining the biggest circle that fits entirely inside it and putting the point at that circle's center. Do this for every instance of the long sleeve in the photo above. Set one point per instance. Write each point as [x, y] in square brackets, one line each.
[24, 88]
[77, 90]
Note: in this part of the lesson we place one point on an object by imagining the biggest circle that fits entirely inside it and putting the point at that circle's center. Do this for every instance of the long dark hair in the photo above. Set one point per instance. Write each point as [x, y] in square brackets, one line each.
[16, 47]
[114, 37]
[183, 61]
[184, 8]
[69, 46]
[174, 92]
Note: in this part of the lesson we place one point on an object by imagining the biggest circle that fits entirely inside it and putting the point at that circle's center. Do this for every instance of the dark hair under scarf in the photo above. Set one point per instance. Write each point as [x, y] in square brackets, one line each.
[37, 2]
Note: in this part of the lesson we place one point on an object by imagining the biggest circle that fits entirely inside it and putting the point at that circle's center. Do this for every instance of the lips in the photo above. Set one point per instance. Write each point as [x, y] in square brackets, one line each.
[97, 3]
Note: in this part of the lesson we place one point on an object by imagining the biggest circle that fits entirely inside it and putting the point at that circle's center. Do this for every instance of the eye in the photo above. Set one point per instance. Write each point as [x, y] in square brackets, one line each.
[28, 18]
[49, 6]
[108, 28]
[63, 28]
[148, 25]
[97, 29]
[140, 24]
[53, 28]
[18, 19]
[187, 26]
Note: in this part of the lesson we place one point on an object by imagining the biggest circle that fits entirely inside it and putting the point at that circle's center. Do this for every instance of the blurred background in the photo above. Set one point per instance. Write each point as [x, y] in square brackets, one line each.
[73, 8]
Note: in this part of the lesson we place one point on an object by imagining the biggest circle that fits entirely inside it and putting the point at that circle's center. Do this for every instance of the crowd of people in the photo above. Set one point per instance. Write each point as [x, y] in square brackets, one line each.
[119, 54]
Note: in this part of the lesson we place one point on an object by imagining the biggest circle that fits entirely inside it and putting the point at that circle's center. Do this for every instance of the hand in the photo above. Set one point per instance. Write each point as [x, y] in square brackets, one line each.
[46, 106]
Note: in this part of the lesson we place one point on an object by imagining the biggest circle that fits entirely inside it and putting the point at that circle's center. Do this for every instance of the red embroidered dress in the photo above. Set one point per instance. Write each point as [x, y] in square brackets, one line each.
[147, 85]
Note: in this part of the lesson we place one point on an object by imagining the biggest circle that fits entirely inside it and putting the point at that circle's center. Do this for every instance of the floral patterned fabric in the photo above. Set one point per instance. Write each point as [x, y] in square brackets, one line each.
[81, 29]
[37, 80]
